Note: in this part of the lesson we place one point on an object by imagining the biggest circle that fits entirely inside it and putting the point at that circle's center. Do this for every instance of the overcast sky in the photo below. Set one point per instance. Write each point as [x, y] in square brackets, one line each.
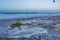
[29, 5]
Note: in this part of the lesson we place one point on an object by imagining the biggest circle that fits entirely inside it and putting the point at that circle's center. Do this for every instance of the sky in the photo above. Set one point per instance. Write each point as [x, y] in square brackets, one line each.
[29, 5]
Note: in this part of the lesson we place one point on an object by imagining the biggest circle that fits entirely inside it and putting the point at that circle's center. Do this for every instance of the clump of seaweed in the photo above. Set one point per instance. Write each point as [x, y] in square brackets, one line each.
[17, 24]
[57, 21]
[49, 26]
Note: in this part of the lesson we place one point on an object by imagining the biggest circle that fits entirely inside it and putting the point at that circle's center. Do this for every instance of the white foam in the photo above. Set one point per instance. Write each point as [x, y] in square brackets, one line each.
[26, 32]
